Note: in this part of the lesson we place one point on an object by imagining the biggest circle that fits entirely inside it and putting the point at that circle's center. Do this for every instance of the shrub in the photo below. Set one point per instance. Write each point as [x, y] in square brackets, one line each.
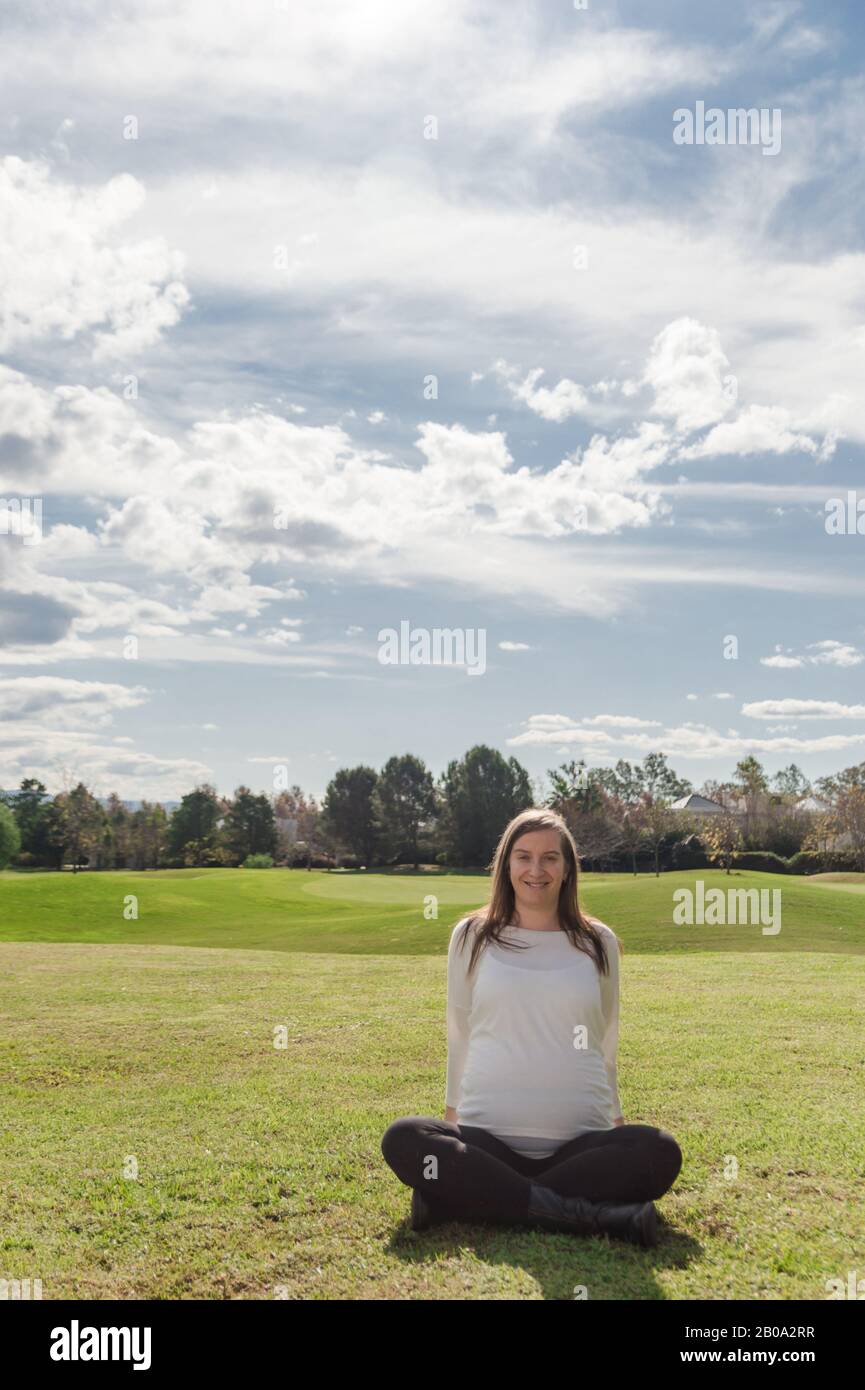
[762, 860]
[805, 862]
[258, 861]
[808, 862]
[690, 854]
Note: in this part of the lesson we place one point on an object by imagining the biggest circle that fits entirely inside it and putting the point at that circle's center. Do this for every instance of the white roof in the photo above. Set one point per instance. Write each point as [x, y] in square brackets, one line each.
[695, 802]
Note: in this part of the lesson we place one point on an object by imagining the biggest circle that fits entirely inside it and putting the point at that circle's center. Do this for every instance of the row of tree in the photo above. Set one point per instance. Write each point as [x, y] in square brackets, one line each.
[402, 815]
[76, 828]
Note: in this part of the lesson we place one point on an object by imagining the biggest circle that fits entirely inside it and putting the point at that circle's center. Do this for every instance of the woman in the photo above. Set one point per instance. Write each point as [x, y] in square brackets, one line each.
[533, 1129]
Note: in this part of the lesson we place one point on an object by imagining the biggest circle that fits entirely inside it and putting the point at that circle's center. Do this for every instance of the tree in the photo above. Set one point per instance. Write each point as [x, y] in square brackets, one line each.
[49, 843]
[752, 786]
[40, 823]
[820, 837]
[285, 815]
[721, 838]
[632, 820]
[659, 823]
[654, 778]
[27, 806]
[845, 793]
[791, 781]
[195, 821]
[84, 824]
[349, 811]
[575, 785]
[750, 776]
[624, 782]
[660, 782]
[10, 835]
[406, 798]
[480, 794]
[118, 827]
[848, 820]
[148, 835]
[829, 787]
[298, 822]
[249, 826]
[596, 831]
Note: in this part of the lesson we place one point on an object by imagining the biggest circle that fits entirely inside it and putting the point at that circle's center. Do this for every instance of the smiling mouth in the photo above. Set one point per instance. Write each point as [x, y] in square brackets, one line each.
[529, 884]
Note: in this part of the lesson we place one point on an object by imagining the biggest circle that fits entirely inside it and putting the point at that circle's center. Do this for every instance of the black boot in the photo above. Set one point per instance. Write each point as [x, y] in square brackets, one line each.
[632, 1221]
[423, 1213]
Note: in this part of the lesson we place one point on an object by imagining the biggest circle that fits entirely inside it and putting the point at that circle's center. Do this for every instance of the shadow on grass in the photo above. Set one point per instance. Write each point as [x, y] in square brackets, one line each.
[567, 1268]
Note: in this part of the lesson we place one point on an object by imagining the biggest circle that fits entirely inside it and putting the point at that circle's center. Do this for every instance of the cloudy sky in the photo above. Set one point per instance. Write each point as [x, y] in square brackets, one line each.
[433, 288]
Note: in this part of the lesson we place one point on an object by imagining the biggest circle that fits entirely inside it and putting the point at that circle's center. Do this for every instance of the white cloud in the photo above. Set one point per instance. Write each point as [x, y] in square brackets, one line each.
[802, 709]
[759, 429]
[566, 398]
[65, 702]
[833, 653]
[72, 272]
[622, 721]
[826, 653]
[61, 756]
[686, 369]
[518, 77]
[278, 636]
[782, 662]
[685, 741]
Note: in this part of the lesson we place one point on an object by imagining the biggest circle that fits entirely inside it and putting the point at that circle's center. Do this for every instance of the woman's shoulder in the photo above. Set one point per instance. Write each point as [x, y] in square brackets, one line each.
[466, 925]
[608, 935]
[596, 922]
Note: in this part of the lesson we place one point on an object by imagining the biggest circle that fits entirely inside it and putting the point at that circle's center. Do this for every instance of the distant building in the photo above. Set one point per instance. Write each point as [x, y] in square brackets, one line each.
[696, 805]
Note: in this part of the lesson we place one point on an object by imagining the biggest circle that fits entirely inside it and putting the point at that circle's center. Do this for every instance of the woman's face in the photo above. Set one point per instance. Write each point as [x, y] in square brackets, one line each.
[537, 868]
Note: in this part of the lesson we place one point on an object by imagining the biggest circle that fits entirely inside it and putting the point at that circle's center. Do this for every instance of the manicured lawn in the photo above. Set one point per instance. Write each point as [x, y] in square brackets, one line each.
[360, 913]
[259, 1169]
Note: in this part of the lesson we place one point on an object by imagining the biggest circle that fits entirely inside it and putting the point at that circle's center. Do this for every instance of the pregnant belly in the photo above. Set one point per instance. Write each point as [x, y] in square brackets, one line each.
[550, 1099]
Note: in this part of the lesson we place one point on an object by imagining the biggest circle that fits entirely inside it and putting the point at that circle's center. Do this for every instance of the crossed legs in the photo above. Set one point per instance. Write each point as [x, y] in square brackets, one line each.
[476, 1176]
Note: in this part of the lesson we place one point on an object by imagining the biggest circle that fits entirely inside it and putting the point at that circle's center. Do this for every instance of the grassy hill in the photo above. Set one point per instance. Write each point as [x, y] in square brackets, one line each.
[259, 1169]
[292, 910]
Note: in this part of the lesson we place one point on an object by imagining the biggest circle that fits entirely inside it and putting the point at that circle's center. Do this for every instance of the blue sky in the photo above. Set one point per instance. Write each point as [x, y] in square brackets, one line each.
[631, 447]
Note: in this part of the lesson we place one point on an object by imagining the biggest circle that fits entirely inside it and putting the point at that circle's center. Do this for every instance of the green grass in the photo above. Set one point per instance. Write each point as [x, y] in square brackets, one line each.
[260, 1170]
[292, 910]
[851, 883]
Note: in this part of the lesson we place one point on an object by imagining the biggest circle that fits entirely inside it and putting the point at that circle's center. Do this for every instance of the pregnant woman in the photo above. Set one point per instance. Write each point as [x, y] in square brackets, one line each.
[533, 1130]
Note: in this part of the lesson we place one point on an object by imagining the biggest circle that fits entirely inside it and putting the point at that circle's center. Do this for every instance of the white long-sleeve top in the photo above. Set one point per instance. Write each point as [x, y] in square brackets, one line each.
[532, 1038]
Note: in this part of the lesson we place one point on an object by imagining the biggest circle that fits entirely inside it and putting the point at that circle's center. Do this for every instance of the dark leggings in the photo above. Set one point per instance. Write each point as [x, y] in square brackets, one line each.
[470, 1174]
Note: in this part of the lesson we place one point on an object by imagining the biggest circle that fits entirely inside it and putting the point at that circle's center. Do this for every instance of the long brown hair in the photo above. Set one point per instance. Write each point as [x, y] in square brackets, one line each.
[498, 913]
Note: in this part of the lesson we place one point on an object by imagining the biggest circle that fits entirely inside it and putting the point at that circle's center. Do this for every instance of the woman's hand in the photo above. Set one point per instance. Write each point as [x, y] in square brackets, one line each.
[619, 1121]
[451, 1114]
